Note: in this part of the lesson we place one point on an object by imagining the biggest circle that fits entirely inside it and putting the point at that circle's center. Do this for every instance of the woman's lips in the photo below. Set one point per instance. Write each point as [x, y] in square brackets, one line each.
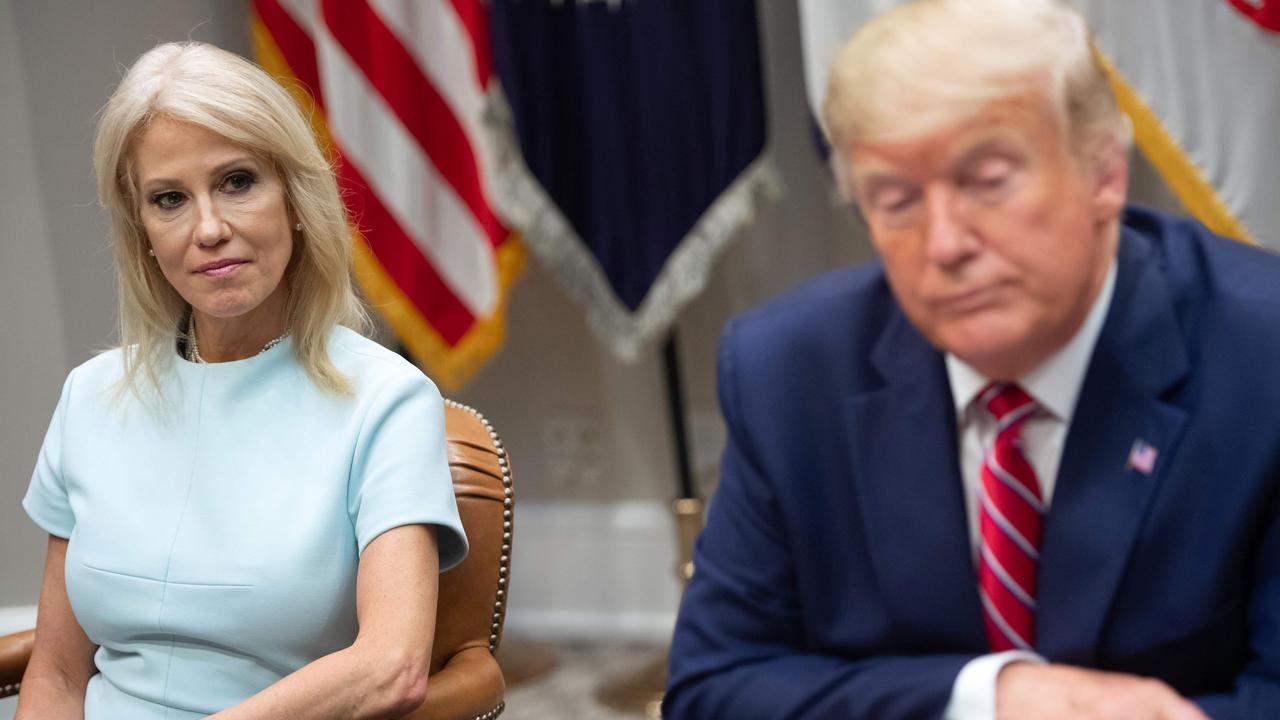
[221, 268]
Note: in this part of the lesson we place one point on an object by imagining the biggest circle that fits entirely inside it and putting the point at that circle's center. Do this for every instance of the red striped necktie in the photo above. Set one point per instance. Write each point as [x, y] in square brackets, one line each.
[1011, 516]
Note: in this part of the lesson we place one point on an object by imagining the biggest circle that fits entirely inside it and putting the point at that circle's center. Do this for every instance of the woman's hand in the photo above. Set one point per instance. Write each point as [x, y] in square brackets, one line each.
[61, 662]
[384, 672]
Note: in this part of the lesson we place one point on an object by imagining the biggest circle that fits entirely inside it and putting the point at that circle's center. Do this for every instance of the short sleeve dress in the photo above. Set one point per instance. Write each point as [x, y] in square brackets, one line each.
[215, 538]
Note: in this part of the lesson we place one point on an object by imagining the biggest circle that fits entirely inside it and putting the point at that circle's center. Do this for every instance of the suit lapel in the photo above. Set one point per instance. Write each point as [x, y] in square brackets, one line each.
[906, 475]
[1100, 501]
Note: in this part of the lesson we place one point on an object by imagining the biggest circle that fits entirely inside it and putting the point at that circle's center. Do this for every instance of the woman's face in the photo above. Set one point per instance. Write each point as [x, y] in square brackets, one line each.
[218, 222]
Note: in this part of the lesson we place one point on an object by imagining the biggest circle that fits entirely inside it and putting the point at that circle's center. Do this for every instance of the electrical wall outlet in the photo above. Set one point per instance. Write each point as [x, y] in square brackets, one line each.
[573, 452]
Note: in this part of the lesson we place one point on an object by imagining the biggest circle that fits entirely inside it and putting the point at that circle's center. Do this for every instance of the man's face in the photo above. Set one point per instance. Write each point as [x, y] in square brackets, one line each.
[994, 237]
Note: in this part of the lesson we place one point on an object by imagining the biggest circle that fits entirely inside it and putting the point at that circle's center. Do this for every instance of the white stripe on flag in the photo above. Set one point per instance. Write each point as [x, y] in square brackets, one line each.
[404, 179]
[431, 31]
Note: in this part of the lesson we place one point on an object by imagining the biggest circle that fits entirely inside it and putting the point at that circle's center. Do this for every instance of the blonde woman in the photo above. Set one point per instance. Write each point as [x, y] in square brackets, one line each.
[247, 502]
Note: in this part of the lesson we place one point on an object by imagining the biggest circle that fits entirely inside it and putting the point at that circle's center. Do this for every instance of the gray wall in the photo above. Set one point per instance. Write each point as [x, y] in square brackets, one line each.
[31, 321]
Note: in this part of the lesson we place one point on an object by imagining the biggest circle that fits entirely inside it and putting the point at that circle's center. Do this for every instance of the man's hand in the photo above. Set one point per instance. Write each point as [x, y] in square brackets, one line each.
[1027, 691]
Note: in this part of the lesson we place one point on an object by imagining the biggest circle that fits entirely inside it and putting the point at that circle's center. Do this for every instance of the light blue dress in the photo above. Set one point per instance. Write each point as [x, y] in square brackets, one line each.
[214, 542]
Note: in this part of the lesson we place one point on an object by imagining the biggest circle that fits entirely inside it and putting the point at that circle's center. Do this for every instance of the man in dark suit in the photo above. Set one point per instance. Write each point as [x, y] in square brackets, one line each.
[1027, 465]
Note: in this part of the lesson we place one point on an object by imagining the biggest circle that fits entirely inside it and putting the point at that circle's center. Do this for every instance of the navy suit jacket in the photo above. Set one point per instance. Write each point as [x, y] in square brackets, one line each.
[835, 577]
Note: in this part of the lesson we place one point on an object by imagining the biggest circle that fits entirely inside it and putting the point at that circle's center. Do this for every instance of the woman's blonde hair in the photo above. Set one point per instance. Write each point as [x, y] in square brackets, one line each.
[222, 92]
[932, 63]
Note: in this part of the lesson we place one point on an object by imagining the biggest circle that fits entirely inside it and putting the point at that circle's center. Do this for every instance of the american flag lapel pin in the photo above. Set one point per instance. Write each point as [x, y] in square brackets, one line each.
[1142, 457]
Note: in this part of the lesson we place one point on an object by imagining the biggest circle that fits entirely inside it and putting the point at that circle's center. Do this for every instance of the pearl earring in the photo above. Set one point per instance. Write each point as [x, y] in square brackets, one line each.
[298, 226]
[151, 252]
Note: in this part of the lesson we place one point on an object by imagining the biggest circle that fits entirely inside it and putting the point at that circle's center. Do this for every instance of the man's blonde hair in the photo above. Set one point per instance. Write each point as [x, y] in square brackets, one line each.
[225, 94]
[932, 63]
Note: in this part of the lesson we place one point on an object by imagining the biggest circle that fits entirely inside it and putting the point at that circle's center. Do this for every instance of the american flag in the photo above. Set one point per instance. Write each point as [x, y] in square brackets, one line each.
[398, 90]
[1142, 456]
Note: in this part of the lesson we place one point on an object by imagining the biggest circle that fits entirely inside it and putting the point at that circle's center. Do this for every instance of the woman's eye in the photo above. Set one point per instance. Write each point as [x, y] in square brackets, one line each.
[167, 200]
[237, 182]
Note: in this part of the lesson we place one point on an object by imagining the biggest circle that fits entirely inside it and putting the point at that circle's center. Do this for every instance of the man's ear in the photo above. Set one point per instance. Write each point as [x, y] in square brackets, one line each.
[1110, 181]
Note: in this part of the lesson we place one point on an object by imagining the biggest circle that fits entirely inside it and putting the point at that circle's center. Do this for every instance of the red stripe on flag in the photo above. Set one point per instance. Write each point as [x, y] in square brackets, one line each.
[295, 45]
[475, 18]
[402, 258]
[410, 94]
[1264, 12]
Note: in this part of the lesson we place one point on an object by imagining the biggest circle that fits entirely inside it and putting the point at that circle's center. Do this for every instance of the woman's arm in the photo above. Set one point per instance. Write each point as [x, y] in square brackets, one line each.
[384, 673]
[61, 662]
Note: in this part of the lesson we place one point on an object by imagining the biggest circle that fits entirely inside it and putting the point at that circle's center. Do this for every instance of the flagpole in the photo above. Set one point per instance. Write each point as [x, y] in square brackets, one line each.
[640, 691]
[687, 506]
[676, 408]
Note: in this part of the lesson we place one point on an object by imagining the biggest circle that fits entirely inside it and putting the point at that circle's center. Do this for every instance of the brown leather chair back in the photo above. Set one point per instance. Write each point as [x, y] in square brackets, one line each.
[466, 682]
[465, 679]
[473, 595]
[15, 650]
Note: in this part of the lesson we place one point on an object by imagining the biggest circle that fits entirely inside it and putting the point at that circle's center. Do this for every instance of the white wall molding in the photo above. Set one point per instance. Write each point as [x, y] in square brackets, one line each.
[585, 626]
[17, 618]
[594, 570]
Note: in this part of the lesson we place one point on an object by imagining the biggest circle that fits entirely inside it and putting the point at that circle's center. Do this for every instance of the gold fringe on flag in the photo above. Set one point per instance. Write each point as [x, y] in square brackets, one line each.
[1184, 177]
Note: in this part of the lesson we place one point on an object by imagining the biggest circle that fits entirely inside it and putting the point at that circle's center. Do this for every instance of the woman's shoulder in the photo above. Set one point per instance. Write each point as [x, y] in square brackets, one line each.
[92, 386]
[371, 366]
[100, 372]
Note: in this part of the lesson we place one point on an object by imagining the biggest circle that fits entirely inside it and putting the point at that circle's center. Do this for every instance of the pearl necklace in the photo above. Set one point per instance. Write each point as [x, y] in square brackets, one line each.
[193, 346]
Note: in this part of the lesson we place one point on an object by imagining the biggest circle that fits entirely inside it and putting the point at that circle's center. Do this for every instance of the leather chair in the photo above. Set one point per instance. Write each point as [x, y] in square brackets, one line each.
[465, 681]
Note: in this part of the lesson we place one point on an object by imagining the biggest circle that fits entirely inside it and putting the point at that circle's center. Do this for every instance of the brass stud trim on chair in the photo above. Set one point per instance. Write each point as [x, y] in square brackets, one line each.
[493, 713]
[504, 564]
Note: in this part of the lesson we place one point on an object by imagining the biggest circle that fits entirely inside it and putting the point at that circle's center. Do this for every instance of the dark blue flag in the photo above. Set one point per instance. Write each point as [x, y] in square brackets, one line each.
[642, 124]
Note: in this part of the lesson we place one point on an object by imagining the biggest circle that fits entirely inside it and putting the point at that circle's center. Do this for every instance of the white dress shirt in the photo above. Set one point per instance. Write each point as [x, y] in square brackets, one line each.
[1055, 386]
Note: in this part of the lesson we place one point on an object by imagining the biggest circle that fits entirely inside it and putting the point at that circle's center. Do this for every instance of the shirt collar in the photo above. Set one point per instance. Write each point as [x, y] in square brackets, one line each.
[1054, 383]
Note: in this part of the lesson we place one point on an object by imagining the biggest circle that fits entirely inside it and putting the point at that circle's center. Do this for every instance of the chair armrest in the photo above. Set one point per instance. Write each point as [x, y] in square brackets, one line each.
[468, 687]
[15, 651]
